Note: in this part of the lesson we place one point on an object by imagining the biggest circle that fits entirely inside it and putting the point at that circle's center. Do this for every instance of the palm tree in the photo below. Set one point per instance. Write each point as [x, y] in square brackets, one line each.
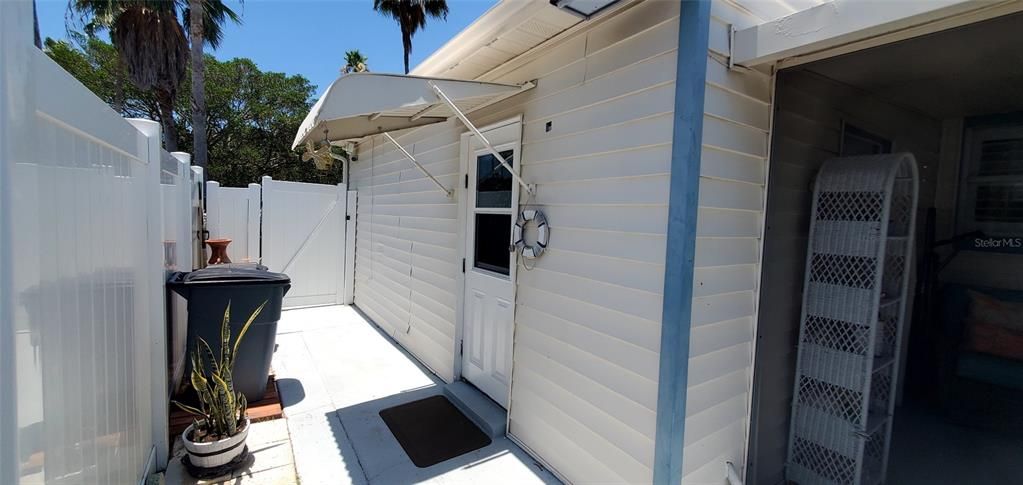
[35, 26]
[150, 44]
[411, 16]
[354, 62]
[203, 29]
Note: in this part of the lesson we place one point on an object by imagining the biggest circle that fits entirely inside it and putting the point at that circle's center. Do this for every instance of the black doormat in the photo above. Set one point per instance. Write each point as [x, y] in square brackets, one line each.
[433, 430]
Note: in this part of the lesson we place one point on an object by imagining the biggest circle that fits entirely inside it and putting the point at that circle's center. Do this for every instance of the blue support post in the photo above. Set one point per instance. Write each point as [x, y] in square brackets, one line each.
[690, 85]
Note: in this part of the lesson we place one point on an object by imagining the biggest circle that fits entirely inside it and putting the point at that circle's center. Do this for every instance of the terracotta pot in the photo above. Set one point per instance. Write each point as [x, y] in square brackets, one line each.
[218, 251]
[216, 453]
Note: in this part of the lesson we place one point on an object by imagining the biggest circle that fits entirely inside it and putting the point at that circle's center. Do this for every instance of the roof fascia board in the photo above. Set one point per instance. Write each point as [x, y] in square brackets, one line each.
[580, 27]
[838, 23]
[501, 17]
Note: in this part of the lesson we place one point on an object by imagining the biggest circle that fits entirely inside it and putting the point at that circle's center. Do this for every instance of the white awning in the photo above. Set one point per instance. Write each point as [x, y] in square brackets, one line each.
[362, 104]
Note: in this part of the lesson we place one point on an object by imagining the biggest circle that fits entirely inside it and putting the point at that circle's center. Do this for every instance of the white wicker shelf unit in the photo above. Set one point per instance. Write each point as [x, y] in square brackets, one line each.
[854, 303]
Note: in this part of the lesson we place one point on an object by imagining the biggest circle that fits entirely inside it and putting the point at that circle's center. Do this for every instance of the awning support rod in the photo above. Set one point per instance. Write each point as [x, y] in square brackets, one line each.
[486, 143]
[416, 163]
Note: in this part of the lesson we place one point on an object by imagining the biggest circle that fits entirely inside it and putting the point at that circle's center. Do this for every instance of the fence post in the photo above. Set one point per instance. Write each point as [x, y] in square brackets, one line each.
[351, 210]
[183, 202]
[254, 219]
[214, 206]
[342, 212]
[154, 323]
[17, 117]
[266, 224]
[198, 211]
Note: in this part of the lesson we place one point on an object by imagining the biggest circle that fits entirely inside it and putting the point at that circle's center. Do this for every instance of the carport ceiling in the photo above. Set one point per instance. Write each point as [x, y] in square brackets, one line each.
[971, 70]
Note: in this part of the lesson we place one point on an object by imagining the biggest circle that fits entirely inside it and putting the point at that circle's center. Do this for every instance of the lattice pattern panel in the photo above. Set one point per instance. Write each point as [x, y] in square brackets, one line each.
[835, 400]
[888, 322]
[850, 206]
[860, 256]
[842, 336]
[874, 451]
[824, 462]
[842, 270]
[894, 268]
[903, 205]
[881, 390]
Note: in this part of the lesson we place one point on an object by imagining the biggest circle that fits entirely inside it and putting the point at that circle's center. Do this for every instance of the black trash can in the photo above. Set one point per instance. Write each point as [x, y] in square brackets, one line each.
[245, 286]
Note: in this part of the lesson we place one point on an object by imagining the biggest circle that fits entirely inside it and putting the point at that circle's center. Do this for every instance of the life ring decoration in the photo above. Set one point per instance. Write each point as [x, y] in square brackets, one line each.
[535, 250]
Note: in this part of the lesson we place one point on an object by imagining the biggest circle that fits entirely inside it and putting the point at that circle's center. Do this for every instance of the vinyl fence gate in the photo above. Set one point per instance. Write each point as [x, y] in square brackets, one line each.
[301, 229]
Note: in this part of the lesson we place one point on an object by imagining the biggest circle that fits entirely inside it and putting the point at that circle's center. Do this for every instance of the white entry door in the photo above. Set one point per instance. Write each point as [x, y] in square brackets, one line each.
[488, 316]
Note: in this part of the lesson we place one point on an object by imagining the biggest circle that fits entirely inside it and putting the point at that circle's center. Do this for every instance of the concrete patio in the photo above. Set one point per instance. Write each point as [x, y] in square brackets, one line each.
[335, 372]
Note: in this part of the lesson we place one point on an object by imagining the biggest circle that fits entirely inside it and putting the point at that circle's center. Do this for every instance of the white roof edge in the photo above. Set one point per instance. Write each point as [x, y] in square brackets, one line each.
[837, 23]
[361, 104]
[482, 31]
[419, 76]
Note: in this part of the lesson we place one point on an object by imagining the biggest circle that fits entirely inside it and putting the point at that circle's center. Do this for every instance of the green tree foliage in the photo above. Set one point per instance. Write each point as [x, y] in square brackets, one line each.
[411, 16]
[355, 62]
[150, 43]
[95, 64]
[203, 29]
[252, 115]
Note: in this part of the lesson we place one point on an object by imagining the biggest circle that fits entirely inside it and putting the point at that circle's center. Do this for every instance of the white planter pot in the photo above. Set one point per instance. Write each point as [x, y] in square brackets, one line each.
[217, 453]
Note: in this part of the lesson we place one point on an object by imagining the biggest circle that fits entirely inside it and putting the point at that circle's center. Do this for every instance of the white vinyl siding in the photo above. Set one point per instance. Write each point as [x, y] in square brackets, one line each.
[588, 315]
[406, 234]
[587, 334]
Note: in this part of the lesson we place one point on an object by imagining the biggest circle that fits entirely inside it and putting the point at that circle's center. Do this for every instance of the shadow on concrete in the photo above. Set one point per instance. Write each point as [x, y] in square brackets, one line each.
[291, 391]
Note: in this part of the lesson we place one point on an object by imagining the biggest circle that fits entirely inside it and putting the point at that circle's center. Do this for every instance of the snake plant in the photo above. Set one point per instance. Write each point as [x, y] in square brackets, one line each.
[221, 410]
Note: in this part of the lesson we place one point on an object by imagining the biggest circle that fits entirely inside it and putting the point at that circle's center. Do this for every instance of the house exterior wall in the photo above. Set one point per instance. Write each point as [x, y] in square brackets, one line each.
[588, 315]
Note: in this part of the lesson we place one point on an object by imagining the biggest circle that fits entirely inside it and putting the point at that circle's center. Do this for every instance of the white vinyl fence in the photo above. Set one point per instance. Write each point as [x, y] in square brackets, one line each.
[177, 199]
[87, 232]
[296, 228]
[304, 236]
[233, 213]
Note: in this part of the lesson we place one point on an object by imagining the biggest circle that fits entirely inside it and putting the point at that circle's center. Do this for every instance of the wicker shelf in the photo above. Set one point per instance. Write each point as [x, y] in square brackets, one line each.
[854, 299]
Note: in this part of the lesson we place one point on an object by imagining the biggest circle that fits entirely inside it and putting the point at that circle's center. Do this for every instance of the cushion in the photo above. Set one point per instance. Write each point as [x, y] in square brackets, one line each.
[991, 369]
[992, 311]
[994, 340]
[994, 327]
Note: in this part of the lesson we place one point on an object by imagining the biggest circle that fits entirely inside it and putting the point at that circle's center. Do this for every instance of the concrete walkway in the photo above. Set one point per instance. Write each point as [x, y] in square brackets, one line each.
[335, 372]
[270, 462]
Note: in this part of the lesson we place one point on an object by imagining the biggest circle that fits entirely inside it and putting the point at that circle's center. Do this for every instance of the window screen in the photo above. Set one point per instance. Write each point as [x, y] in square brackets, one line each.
[992, 192]
[998, 198]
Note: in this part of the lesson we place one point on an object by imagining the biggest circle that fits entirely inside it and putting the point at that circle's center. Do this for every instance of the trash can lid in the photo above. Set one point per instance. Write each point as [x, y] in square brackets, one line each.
[234, 274]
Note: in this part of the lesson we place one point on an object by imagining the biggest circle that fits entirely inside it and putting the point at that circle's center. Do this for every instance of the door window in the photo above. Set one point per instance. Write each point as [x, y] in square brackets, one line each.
[493, 231]
[493, 182]
[492, 213]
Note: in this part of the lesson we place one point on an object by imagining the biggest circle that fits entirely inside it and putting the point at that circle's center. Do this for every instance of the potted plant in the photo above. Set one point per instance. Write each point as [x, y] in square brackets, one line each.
[216, 438]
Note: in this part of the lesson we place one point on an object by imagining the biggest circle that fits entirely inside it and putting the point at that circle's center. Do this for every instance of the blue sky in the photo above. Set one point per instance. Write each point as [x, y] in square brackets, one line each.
[310, 37]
